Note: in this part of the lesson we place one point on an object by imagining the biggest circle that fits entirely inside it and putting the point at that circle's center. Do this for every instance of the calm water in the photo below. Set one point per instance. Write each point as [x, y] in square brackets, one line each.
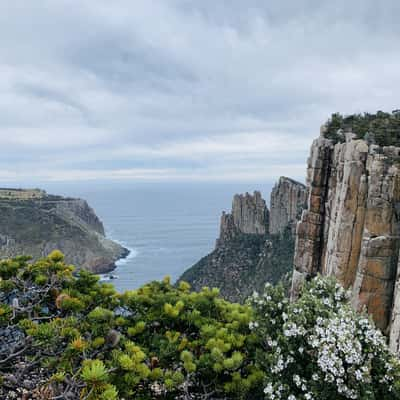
[167, 227]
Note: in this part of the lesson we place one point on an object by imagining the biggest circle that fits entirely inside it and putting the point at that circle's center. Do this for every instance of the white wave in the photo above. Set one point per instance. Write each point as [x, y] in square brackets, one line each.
[106, 277]
[122, 261]
[132, 252]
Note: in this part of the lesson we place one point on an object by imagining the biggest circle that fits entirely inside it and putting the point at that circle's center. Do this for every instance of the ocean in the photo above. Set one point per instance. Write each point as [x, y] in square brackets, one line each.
[166, 227]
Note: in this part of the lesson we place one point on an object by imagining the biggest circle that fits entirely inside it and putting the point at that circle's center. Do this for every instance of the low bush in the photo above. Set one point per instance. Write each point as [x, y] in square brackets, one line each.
[80, 339]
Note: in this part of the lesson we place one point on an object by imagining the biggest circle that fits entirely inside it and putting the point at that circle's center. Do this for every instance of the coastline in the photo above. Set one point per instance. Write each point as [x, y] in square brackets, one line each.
[107, 268]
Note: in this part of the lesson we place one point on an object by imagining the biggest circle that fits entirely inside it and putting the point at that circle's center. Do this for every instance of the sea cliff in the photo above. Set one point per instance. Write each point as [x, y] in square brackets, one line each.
[35, 223]
[351, 228]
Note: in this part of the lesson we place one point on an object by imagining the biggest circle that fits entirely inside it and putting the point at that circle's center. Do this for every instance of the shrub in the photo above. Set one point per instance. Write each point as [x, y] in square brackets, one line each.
[158, 340]
[320, 348]
[382, 128]
[81, 339]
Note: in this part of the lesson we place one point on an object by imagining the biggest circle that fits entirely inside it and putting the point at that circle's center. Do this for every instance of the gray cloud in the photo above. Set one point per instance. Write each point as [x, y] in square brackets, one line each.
[180, 89]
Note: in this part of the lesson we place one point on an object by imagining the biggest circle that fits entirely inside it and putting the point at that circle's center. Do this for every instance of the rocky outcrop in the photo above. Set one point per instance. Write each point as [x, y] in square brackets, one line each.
[246, 255]
[249, 215]
[35, 223]
[351, 228]
[288, 199]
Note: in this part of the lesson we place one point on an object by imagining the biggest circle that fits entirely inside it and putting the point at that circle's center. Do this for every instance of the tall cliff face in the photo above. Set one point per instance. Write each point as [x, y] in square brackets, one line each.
[288, 200]
[351, 228]
[35, 223]
[246, 255]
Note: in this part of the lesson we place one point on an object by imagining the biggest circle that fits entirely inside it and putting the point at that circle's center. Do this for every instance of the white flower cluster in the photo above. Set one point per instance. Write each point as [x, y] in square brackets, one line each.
[319, 343]
[292, 329]
[340, 356]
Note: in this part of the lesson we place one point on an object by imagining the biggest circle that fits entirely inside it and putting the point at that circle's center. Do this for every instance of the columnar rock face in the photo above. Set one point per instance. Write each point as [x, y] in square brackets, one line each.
[35, 223]
[249, 215]
[288, 200]
[351, 228]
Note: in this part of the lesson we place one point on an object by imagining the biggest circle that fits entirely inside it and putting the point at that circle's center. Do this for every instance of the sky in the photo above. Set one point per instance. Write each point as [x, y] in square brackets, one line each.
[184, 91]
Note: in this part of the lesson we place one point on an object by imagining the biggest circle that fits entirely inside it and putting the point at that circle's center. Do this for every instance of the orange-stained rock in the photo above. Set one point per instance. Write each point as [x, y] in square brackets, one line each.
[351, 229]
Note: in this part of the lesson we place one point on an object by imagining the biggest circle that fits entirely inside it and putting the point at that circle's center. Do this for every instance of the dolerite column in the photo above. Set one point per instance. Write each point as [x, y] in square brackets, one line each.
[309, 229]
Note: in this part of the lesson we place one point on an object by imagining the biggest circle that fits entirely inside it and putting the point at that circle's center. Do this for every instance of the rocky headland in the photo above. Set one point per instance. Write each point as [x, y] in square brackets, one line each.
[35, 223]
[247, 253]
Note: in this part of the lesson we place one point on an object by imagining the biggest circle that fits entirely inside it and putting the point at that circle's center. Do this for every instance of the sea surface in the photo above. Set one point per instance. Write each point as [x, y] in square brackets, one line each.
[166, 227]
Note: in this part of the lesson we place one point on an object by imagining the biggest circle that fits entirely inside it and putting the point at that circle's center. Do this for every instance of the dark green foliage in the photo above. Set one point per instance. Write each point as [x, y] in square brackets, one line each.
[382, 128]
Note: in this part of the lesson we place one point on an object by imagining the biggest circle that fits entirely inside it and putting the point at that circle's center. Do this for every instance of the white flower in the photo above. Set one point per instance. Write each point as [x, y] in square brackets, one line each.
[253, 325]
[268, 389]
[358, 375]
[297, 380]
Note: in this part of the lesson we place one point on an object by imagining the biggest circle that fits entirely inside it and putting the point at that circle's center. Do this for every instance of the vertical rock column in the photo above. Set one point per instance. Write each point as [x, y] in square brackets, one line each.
[374, 283]
[249, 215]
[288, 200]
[309, 232]
[345, 210]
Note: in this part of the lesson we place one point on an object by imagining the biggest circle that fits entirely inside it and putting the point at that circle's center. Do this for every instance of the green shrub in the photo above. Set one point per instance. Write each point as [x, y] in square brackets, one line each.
[166, 342]
[382, 128]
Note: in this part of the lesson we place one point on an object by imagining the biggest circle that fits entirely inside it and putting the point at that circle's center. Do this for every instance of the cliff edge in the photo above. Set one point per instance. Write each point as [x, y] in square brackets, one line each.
[35, 223]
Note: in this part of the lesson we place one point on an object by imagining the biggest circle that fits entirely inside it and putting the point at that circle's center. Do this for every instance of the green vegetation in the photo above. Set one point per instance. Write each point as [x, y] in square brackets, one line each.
[252, 259]
[80, 339]
[382, 128]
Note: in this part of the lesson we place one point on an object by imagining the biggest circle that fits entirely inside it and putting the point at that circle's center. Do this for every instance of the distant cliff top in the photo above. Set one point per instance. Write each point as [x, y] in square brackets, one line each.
[21, 194]
[382, 128]
[34, 222]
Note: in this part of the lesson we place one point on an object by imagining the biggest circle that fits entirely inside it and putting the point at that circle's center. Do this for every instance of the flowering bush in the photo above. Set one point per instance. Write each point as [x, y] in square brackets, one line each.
[64, 335]
[319, 348]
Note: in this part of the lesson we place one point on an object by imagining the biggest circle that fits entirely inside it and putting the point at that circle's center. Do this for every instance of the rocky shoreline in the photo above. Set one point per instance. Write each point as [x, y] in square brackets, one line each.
[112, 266]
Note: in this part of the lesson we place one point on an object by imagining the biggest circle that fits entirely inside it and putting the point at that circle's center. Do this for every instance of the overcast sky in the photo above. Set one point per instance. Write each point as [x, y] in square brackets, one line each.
[202, 90]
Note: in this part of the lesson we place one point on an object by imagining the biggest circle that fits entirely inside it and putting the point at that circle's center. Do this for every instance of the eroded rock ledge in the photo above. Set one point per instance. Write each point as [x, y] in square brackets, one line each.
[351, 228]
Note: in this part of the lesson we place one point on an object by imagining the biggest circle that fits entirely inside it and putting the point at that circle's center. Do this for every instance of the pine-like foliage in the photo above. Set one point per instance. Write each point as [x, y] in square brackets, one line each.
[67, 336]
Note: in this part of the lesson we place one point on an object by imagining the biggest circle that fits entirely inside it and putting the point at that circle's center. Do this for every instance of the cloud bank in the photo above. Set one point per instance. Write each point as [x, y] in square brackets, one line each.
[185, 90]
